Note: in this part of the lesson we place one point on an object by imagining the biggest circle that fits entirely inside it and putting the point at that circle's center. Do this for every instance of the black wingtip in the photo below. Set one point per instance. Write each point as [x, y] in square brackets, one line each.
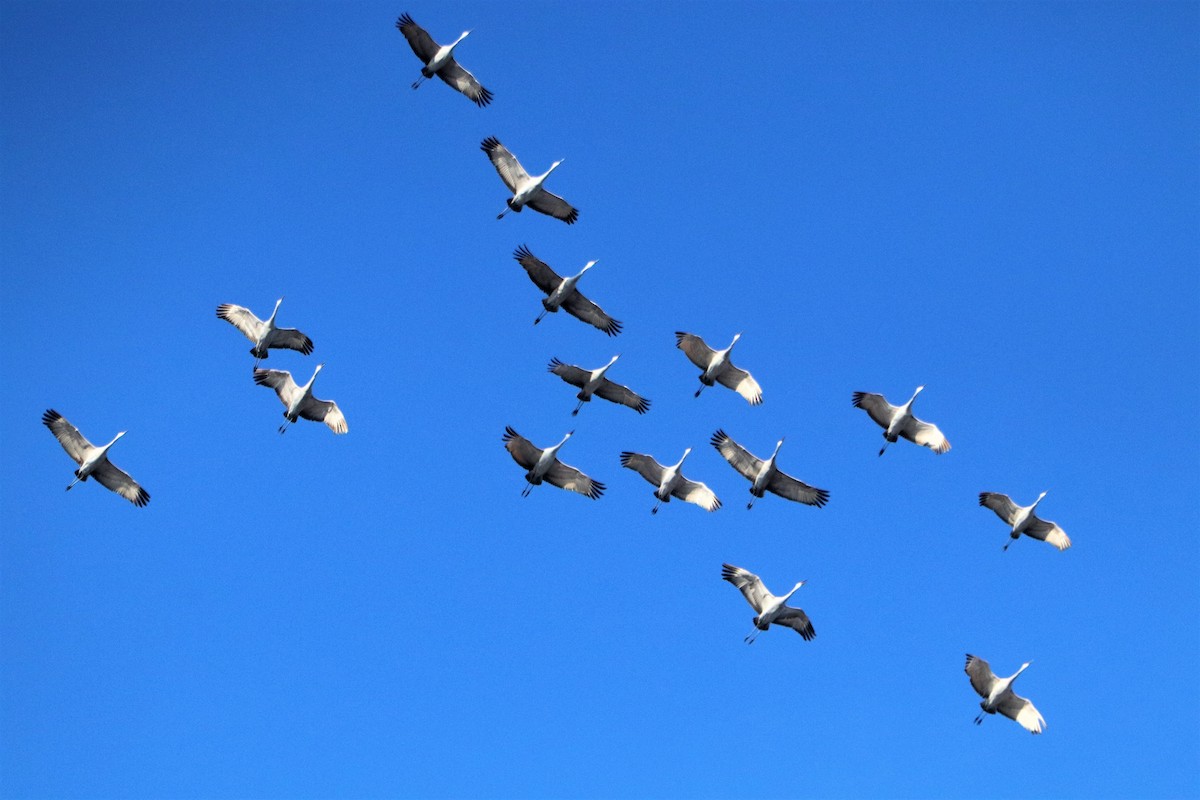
[718, 438]
[523, 251]
[489, 144]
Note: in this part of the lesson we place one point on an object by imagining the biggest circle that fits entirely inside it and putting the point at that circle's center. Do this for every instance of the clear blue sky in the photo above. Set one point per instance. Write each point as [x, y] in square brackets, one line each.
[996, 200]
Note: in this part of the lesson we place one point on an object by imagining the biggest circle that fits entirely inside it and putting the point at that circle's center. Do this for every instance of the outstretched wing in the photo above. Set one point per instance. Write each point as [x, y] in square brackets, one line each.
[788, 487]
[741, 382]
[74, 442]
[567, 477]
[797, 620]
[1002, 504]
[1017, 708]
[749, 584]
[242, 319]
[694, 347]
[739, 457]
[453, 74]
[290, 339]
[580, 307]
[616, 393]
[539, 271]
[325, 411]
[925, 434]
[280, 380]
[697, 493]
[520, 448]
[876, 407]
[552, 205]
[110, 476]
[511, 171]
[1048, 531]
[421, 42]
[980, 674]
[569, 372]
[643, 465]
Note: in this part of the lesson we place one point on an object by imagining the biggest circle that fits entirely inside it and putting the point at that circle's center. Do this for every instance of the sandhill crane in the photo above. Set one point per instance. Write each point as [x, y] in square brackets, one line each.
[298, 401]
[716, 366]
[93, 461]
[561, 292]
[1024, 520]
[264, 334]
[899, 421]
[543, 465]
[670, 481]
[998, 695]
[526, 191]
[770, 609]
[592, 382]
[764, 476]
[439, 60]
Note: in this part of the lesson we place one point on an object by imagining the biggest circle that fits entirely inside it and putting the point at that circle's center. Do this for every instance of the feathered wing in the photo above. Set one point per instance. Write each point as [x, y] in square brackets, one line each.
[290, 339]
[580, 307]
[110, 476]
[749, 584]
[876, 407]
[511, 171]
[74, 442]
[695, 349]
[462, 80]
[539, 271]
[421, 42]
[242, 319]
[552, 205]
[567, 477]
[1002, 504]
[792, 489]
[741, 382]
[925, 434]
[521, 449]
[616, 393]
[696, 493]
[980, 673]
[280, 380]
[1048, 531]
[1017, 708]
[570, 373]
[739, 457]
[797, 620]
[643, 465]
[325, 411]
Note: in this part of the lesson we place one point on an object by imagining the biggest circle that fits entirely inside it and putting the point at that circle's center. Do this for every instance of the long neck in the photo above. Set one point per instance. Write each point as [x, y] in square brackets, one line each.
[777, 449]
[787, 596]
[312, 380]
[114, 441]
[271, 320]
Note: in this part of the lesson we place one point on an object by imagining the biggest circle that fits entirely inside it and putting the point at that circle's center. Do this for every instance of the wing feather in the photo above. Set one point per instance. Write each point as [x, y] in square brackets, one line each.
[521, 449]
[790, 488]
[1048, 531]
[552, 205]
[697, 493]
[290, 339]
[576, 376]
[242, 319]
[280, 380]
[925, 434]
[511, 171]
[739, 457]
[797, 620]
[421, 42]
[876, 407]
[582, 308]
[616, 393]
[694, 347]
[110, 476]
[749, 584]
[564, 476]
[981, 675]
[456, 76]
[74, 442]
[741, 382]
[643, 465]
[1019, 709]
[1002, 504]
[325, 411]
[539, 271]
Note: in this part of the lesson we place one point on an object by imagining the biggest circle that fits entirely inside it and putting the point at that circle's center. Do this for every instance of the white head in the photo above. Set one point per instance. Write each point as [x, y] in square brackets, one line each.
[554, 166]
[685, 455]
[589, 265]
[1040, 496]
[613, 360]
[794, 589]
[276, 311]
[736, 336]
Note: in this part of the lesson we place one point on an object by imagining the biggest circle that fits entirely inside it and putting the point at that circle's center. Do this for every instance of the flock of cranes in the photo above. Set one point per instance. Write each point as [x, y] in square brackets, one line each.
[542, 465]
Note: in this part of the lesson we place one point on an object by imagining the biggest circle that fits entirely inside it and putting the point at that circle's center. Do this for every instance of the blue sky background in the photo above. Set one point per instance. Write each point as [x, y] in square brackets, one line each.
[998, 201]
